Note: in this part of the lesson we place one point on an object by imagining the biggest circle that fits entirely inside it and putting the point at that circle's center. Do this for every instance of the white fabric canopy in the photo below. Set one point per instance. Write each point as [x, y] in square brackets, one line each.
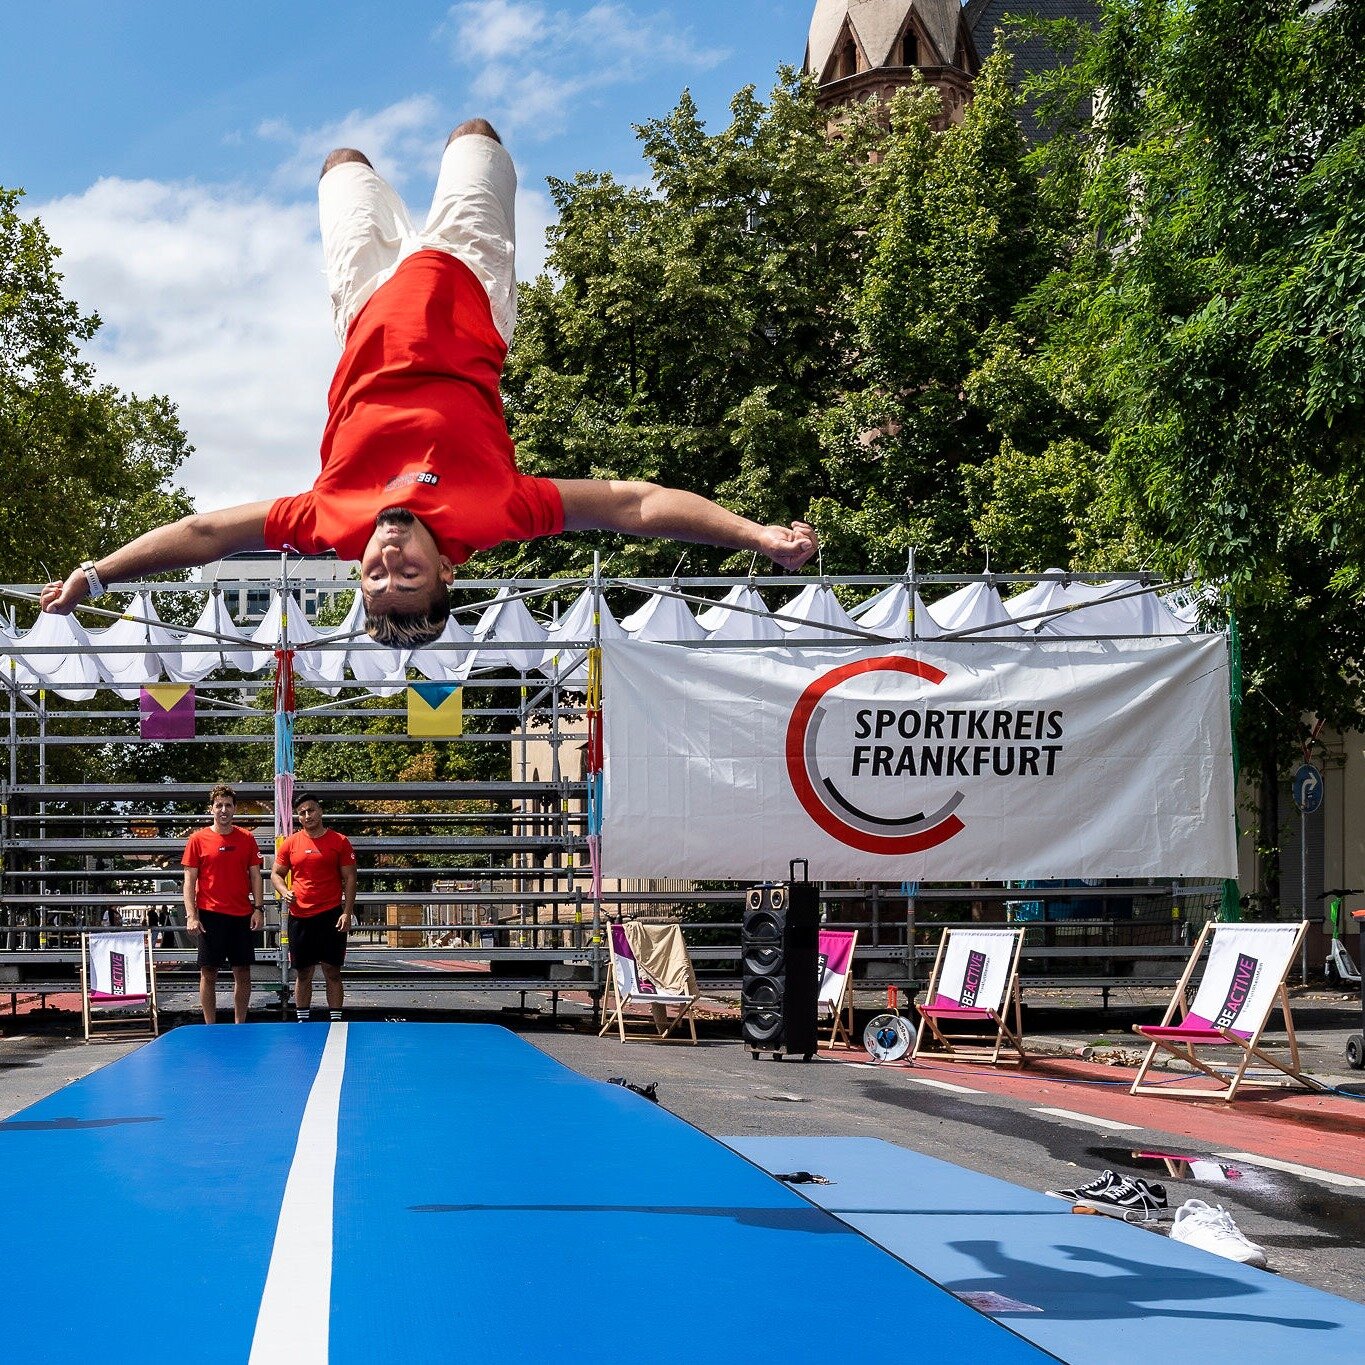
[129, 673]
[663, 617]
[75, 664]
[202, 657]
[818, 607]
[507, 620]
[724, 622]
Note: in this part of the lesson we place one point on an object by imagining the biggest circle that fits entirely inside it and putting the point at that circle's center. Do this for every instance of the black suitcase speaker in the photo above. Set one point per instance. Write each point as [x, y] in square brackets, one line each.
[780, 944]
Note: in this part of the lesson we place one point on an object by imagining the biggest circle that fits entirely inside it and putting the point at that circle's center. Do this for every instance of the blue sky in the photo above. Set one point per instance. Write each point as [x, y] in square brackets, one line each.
[171, 150]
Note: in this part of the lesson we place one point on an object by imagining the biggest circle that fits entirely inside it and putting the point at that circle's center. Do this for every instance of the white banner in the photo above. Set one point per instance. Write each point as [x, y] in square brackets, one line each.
[118, 965]
[1246, 964]
[945, 761]
[976, 969]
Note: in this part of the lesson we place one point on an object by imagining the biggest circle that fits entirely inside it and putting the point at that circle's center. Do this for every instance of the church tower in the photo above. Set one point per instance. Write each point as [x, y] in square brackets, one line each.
[861, 50]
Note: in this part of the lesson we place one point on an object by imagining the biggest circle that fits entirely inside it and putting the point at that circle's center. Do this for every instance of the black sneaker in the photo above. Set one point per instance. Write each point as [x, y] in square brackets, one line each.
[1102, 1183]
[1157, 1193]
[1131, 1199]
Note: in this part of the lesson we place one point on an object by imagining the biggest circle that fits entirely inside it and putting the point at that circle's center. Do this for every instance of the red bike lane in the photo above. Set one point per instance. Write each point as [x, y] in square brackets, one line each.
[1323, 1131]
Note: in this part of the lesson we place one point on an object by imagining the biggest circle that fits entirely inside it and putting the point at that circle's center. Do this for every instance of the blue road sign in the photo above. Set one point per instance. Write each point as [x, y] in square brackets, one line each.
[1308, 788]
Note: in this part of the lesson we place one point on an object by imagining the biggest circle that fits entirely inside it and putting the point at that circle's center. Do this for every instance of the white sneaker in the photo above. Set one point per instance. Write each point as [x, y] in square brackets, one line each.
[1212, 1229]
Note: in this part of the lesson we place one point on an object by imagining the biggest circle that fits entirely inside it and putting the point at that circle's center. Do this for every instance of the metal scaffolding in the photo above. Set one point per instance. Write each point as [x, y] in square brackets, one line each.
[464, 885]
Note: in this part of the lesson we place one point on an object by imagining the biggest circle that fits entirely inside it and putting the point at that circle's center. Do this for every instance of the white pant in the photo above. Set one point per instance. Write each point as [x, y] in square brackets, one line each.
[367, 231]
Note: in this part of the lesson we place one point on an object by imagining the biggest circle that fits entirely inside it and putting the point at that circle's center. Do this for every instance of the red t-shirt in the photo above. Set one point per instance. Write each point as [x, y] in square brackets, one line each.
[316, 865]
[224, 862]
[415, 420]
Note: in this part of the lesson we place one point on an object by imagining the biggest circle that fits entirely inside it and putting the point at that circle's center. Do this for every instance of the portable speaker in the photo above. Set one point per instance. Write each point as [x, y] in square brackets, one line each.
[780, 955]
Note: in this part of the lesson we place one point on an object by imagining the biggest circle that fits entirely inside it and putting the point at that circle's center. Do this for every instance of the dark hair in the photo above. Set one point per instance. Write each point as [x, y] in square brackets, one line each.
[222, 789]
[409, 629]
[301, 797]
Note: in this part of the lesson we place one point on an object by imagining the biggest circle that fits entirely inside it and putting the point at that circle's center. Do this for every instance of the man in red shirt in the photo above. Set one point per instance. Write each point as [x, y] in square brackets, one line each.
[314, 877]
[223, 900]
[418, 470]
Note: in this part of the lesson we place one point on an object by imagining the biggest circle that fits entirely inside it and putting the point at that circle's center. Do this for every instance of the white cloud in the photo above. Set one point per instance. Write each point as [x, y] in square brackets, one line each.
[539, 59]
[402, 141]
[497, 30]
[215, 297]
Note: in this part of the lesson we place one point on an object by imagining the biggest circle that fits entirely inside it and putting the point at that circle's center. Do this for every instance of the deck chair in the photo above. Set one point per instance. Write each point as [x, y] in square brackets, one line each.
[1242, 982]
[650, 966]
[975, 981]
[118, 986]
[836, 983]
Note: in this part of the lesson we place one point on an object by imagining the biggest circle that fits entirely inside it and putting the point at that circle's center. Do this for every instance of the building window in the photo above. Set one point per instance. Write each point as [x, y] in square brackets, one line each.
[848, 60]
[909, 50]
[257, 602]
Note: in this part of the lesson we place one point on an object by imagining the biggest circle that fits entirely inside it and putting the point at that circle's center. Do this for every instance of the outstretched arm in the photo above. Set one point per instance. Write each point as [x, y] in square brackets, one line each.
[197, 539]
[646, 509]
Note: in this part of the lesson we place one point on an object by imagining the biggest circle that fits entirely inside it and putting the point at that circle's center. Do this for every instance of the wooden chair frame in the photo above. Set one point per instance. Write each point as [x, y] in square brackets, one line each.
[129, 1022]
[841, 1011]
[969, 1046]
[1230, 1079]
[685, 1005]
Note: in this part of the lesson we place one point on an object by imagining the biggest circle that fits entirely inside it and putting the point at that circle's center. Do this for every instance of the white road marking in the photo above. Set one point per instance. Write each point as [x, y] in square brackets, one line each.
[1090, 1119]
[943, 1085]
[1349, 1182]
[296, 1306]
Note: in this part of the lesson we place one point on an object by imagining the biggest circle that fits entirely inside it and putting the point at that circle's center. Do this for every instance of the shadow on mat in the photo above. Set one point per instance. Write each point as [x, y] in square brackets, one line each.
[68, 1125]
[780, 1220]
[1135, 1292]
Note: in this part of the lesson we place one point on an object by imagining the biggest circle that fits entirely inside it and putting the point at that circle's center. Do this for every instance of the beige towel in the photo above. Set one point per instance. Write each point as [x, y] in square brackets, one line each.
[661, 955]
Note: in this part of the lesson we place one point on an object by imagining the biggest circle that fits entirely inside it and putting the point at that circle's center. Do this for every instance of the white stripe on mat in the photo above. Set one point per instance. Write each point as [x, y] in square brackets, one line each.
[296, 1307]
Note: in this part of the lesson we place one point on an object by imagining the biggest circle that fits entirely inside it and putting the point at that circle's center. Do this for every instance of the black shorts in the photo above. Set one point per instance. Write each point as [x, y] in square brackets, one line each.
[316, 938]
[226, 938]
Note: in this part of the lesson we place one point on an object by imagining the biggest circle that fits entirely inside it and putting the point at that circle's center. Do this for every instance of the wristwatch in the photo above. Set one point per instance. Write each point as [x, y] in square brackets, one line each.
[87, 567]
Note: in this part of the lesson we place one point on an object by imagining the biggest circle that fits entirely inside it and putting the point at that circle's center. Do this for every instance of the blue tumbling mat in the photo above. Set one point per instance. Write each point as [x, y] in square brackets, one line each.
[1094, 1291]
[426, 1193]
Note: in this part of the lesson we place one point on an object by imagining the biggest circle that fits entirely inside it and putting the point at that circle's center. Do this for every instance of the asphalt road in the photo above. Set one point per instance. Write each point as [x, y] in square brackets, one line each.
[1313, 1228]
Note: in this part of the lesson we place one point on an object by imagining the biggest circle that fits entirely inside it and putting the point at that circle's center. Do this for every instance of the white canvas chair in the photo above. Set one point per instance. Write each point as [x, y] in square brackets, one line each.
[118, 985]
[836, 983]
[1242, 982]
[975, 981]
[650, 966]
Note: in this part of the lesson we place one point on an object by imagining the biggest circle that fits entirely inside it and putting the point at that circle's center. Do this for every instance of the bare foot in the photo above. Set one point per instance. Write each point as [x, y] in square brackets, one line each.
[790, 547]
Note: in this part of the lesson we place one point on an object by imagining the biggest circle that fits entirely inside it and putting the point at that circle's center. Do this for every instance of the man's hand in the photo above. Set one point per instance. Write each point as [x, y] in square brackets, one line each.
[790, 547]
[257, 919]
[345, 922]
[63, 598]
[194, 924]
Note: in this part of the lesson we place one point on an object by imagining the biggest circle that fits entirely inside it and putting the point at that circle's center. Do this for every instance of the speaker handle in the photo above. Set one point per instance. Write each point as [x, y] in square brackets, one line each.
[805, 869]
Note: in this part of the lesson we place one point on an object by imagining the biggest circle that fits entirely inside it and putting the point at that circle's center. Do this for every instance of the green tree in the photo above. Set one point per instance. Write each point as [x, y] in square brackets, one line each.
[1212, 308]
[694, 332]
[938, 388]
[83, 467]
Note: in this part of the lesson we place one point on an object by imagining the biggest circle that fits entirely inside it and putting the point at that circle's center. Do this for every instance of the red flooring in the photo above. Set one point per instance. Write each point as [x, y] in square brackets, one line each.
[1323, 1131]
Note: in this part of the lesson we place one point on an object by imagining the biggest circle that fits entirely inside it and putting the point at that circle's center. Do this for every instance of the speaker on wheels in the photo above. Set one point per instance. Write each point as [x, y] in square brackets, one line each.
[780, 946]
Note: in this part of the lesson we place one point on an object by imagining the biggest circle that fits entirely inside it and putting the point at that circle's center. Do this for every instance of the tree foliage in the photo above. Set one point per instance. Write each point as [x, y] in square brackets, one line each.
[89, 465]
[1213, 305]
[693, 332]
[957, 237]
